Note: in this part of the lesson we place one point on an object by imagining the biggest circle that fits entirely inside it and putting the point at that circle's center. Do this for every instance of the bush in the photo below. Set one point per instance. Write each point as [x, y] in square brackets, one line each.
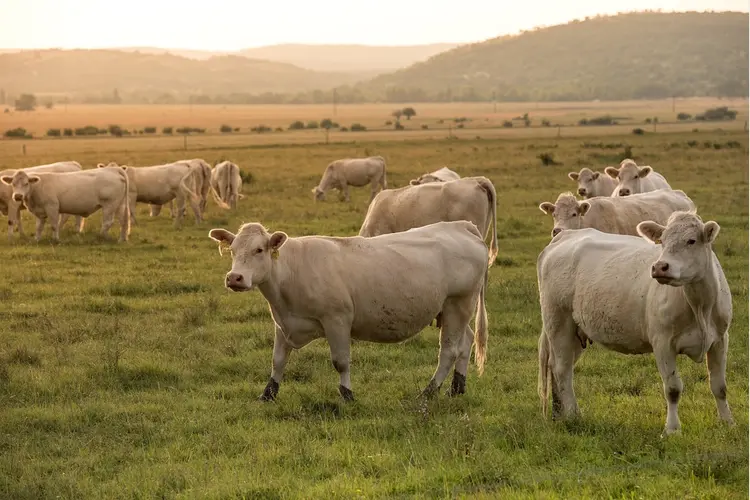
[279, 129]
[115, 130]
[49, 104]
[17, 133]
[388, 123]
[328, 123]
[312, 124]
[408, 113]
[102, 131]
[548, 159]
[261, 129]
[149, 130]
[717, 114]
[647, 120]
[53, 132]
[684, 116]
[358, 127]
[87, 130]
[68, 132]
[189, 130]
[424, 127]
[398, 126]
[247, 177]
[298, 125]
[545, 123]
[508, 124]
[599, 120]
[344, 129]
[166, 130]
[460, 125]
[225, 129]
[638, 131]
[236, 129]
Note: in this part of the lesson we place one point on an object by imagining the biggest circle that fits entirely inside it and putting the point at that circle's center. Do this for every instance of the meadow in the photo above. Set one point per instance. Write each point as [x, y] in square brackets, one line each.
[129, 371]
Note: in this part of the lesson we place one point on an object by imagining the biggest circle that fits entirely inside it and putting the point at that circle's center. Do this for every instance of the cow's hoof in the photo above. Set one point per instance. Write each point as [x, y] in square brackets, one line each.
[270, 392]
[346, 393]
[429, 391]
[458, 385]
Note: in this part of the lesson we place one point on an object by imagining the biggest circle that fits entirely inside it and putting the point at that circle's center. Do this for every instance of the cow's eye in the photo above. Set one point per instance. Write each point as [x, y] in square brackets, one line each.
[691, 242]
[258, 250]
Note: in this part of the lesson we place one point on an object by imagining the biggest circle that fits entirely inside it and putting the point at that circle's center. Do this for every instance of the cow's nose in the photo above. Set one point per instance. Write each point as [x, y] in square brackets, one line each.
[234, 279]
[582, 192]
[17, 197]
[624, 192]
[556, 231]
[659, 268]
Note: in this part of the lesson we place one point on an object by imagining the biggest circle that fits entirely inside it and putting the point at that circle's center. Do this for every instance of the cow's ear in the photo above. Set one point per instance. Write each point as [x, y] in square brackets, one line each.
[547, 207]
[710, 231]
[276, 240]
[596, 175]
[33, 179]
[223, 237]
[6, 179]
[651, 231]
[100, 165]
[644, 171]
[612, 172]
[573, 176]
[583, 207]
[413, 182]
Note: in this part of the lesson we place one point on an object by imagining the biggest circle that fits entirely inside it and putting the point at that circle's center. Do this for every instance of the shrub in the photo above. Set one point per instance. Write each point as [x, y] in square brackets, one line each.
[508, 124]
[547, 159]
[279, 129]
[638, 131]
[115, 130]
[684, 116]
[49, 104]
[236, 129]
[102, 131]
[388, 123]
[166, 130]
[261, 129]
[460, 125]
[408, 113]
[298, 125]
[149, 130]
[53, 132]
[225, 129]
[358, 127]
[87, 130]
[17, 132]
[312, 124]
[188, 130]
[247, 177]
[717, 114]
[424, 127]
[344, 129]
[599, 120]
[68, 132]
[647, 120]
[398, 126]
[545, 123]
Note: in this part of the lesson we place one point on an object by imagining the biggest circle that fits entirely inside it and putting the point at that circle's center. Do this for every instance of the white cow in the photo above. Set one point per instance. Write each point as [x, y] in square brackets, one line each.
[226, 183]
[618, 215]
[381, 289]
[634, 297]
[358, 172]
[160, 184]
[591, 184]
[201, 184]
[47, 195]
[12, 208]
[440, 175]
[471, 198]
[632, 179]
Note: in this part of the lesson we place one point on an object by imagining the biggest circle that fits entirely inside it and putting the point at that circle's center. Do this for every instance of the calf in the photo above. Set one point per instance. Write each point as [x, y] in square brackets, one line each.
[632, 179]
[664, 292]
[381, 289]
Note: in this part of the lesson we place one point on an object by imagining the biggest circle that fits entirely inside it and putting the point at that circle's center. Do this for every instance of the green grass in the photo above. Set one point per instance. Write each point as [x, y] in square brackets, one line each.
[128, 371]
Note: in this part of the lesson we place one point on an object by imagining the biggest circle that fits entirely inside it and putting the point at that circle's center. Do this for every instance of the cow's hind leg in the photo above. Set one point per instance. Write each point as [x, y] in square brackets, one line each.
[716, 361]
[281, 351]
[108, 218]
[456, 314]
[566, 347]
[458, 385]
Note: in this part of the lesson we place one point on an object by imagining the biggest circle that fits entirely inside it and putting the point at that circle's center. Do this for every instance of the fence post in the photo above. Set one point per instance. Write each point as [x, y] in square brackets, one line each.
[24, 149]
[558, 131]
[184, 141]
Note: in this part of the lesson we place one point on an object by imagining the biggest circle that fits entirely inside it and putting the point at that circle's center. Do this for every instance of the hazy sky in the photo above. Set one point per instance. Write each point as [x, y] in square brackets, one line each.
[235, 24]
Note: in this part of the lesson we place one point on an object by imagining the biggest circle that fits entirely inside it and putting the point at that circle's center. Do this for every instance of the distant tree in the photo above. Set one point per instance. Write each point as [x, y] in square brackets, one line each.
[408, 113]
[684, 116]
[116, 97]
[526, 120]
[312, 124]
[49, 104]
[298, 125]
[397, 114]
[327, 123]
[166, 130]
[54, 132]
[27, 102]
[225, 129]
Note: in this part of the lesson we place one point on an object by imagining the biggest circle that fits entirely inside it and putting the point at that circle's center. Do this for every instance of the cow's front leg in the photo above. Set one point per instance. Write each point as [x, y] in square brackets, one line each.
[39, 228]
[666, 361]
[281, 351]
[338, 334]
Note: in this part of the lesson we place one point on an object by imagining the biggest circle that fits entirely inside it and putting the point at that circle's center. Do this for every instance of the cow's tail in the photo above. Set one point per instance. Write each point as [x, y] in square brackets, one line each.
[545, 371]
[489, 189]
[481, 326]
[191, 174]
[125, 206]
[385, 176]
[216, 196]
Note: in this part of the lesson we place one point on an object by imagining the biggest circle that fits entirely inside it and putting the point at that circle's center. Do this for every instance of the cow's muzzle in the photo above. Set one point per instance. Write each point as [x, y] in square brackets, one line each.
[236, 283]
[17, 197]
[660, 272]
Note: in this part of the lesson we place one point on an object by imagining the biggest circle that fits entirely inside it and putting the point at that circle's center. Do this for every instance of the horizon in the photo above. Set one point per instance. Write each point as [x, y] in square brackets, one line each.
[46, 24]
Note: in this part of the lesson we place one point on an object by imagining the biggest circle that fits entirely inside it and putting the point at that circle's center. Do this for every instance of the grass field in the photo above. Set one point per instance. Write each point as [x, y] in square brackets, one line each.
[128, 371]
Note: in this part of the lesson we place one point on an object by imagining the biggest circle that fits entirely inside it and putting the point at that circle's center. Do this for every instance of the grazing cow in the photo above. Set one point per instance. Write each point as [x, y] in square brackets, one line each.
[632, 179]
[634, 297]
[47, 195]
[471, 198]
[383, 289]
[592, 184]
[201, 184]
[441, 175]
[358, 172]
[226, 183]
[619, 215]
[12, 208]
[160, 184]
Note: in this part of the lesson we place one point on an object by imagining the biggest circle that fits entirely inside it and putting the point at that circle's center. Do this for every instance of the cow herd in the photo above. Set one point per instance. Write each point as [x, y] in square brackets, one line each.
[629, 266]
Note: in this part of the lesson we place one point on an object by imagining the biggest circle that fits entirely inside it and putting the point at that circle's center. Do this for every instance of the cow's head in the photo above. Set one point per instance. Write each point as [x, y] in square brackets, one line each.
[21, 182]
[685, 247]
[628, 177]
[320, 195]
[253, 253]
[585, 179]
[567, 212]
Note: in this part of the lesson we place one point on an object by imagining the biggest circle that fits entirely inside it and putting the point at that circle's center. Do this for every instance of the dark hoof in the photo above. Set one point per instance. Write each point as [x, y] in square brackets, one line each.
[430, 391]
[347, 394]
[270, 392]
[458, 386]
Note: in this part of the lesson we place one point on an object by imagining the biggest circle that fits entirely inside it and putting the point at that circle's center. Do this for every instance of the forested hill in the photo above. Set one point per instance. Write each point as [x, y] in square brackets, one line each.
[639, 55]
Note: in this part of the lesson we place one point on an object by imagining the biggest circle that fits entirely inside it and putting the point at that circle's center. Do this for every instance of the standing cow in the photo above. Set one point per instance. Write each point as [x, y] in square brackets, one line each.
[664, 293]
[592, 184]
[226, 183]
[440, 175]
[381, 289]
[12, 208]
[201, 183]
[47, 195]
[358, 172]
[632, 179]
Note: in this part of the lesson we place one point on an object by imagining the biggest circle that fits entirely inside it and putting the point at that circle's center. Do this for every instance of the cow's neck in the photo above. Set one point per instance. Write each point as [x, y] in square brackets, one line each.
[272, 288]
[701, 296]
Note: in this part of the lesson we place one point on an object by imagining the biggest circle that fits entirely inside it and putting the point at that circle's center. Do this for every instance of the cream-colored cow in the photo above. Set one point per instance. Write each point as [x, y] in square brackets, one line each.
[632, 179]
[160, 184]
[201, 184]
[226, 183]
[12, 208]
[47, 195]
[471, 198]
[440, 175]
[381, 289]
[634, 297]
[618, 215]
[358, 172]
[592, 184]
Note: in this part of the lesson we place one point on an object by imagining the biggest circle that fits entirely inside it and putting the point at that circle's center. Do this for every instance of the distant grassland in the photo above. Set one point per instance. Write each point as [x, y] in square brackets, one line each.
[128, 371]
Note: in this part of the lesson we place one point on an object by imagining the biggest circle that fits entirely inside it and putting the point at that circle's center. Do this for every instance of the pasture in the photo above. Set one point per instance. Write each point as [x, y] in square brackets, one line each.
[128, 371]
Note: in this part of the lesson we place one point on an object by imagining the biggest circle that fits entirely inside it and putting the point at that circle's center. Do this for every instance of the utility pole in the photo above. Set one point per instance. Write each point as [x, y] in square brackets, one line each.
[494, 102]
[334, 102]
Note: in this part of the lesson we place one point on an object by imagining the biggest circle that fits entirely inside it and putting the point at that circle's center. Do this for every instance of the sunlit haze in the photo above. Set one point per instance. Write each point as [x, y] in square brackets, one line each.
[233, 25]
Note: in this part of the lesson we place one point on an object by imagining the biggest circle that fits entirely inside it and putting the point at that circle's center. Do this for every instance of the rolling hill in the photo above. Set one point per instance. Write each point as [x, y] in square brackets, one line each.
[627, 56]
